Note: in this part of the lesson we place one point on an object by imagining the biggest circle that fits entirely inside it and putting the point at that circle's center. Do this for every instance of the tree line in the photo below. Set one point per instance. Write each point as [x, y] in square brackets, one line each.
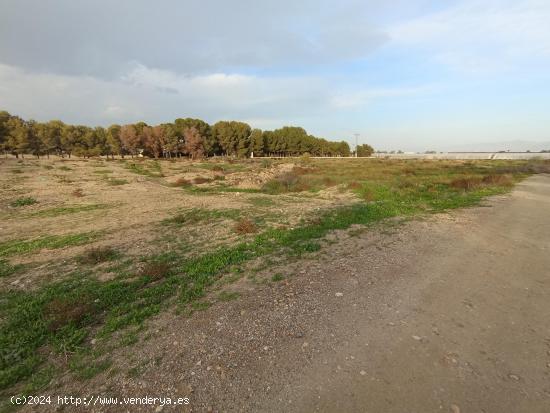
[188, 137]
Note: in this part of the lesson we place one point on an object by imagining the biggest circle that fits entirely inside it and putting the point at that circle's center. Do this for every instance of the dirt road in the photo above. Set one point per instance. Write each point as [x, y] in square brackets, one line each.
[446, 314]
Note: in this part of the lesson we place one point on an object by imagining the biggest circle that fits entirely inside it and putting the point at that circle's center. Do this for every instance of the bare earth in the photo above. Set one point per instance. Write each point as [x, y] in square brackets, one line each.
[448, 314]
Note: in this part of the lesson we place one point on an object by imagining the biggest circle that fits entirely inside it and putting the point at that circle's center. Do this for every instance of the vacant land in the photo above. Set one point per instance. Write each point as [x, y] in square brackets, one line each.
[95, 255]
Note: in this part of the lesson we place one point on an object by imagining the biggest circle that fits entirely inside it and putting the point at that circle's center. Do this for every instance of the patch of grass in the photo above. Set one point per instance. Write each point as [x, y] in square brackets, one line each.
[65, 168]
[6, 269]
[103, 171]
[116, 181]
[277, 277]
[19, 202]
[152, 169]
[48, 167]
[22, 246]
[196, 215]
[228, 295]
[261, 202]
[16, 171]
[72, 209]
[201, 180]
[97, 255]
[245, 226]
[85, 369]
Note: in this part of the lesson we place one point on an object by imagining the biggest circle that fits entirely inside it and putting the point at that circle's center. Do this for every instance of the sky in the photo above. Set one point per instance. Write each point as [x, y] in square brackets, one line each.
[404, 74]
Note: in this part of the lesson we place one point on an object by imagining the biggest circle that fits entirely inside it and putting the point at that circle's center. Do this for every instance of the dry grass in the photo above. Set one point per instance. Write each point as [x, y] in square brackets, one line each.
[79, 193]
[155, 270]
[245, 226]
[61, 312]
[182, 182]
[98, 255]
[466, 184]
[201, 180]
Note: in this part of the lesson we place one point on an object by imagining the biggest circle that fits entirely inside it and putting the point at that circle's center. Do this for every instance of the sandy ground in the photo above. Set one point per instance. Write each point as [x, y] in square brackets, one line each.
[446, 314]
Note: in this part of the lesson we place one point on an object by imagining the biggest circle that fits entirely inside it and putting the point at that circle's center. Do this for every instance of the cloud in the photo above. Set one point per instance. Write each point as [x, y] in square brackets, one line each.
[481, 36]
[102, 38]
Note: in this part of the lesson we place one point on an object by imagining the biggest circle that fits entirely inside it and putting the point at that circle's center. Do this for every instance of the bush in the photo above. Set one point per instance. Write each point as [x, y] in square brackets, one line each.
[245, 226]
[97, 255]
[78, 193]
[23, 202]
[155, 270]
[61, 312]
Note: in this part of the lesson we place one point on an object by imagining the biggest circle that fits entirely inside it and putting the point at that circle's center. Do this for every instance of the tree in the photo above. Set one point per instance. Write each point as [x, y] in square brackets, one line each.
[194, 143]
[4, 130]
[50, 135]
[154, 140]
[257, 142]
[233, 137]
[114, 144]
[17, 139]
[130, 139]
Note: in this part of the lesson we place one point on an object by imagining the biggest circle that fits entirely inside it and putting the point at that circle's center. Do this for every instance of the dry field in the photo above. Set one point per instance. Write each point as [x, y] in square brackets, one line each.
[91, 249]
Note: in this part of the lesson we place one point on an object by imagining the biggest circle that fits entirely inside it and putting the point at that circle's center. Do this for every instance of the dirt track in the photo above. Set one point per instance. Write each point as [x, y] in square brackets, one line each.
[446, 314]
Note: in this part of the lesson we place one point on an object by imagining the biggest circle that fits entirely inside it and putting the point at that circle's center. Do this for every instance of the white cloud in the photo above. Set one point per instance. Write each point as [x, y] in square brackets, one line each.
[480, 36]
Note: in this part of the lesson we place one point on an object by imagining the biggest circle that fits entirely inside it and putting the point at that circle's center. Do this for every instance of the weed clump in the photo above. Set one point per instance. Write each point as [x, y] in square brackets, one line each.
[19, 202]
[61, 312]
[98, 255]
[155, 270]
[245, 226]
[466, 184]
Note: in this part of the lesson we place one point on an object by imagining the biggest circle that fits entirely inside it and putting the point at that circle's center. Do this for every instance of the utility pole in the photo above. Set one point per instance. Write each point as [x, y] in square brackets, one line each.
[356, 138]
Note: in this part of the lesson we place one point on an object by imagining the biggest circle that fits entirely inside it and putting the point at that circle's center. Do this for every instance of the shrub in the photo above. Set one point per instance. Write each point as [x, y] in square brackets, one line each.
[23, 202]
[97, 255]
[61, 312]
[466, 183]
[155, 270]
[245, 226]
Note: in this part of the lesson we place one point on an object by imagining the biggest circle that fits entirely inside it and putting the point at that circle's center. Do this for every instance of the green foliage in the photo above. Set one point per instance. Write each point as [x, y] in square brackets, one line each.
[72, 209]
[196, 215]
[6, 269]
[17, 247]
[228, 295]
[19, 202]
[277, 277]
[116, 181]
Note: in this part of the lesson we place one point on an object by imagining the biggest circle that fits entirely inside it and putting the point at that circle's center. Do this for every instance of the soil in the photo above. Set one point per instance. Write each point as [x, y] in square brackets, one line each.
[445, 314]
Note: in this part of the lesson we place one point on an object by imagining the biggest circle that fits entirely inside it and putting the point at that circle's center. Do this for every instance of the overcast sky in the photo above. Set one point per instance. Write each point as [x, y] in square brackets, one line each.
[405, 74]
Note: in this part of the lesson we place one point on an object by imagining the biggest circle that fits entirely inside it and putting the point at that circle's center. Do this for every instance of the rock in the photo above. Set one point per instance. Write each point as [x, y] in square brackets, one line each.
[339, 294]
[159, 409]
[362, 372]
[455, 408]
[417, 338]
[513, 377]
